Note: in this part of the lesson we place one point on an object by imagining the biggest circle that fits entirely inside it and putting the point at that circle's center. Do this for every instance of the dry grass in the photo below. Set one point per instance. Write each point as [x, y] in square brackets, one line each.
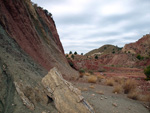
[133, 95]
[87, 74]
[117, 89]
[119, 80]
[110, 81]
[92, 79]
[129, 86]
[146, 97]
[100, 77]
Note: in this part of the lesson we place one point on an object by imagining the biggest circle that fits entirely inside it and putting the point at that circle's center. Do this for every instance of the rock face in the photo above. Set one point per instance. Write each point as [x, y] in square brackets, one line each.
[67, 99]
[142, 46]
[109, 55]
[35, 32]
[29, 47]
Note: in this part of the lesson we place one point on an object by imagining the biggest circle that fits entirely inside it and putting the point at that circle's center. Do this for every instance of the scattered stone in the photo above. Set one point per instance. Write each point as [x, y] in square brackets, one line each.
[114, 104]
[92, 86]
[101, 98]
[105, 97]
[93, 94]
[43, 112]
[100, 92]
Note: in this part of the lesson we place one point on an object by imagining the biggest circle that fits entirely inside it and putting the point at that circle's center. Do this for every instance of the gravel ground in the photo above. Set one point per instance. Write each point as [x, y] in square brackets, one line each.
[108, 102]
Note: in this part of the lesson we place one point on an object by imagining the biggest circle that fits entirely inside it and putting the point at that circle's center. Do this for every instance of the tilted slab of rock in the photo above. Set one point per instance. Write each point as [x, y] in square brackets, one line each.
[67, 98]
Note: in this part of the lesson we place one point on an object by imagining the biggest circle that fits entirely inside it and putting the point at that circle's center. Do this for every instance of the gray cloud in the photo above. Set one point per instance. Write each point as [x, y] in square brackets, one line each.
[84, 25]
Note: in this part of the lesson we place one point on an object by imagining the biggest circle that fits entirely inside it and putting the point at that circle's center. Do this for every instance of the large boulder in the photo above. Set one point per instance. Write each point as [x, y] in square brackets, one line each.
[67, 98]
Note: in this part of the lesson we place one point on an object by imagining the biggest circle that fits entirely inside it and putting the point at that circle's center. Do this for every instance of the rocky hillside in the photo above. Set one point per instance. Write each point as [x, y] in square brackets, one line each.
[29, 48]
[132, 55]
[105, 49]
[141, 47]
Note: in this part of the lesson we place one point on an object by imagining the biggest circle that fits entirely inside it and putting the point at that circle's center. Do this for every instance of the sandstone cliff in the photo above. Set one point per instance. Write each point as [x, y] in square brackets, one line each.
[29, 48]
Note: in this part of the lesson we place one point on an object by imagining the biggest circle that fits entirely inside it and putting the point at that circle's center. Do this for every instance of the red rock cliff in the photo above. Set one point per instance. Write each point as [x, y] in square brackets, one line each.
[34, 30]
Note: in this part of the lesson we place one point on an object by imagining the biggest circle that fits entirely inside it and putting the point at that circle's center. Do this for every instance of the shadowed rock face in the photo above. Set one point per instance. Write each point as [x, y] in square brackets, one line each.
[29, 48]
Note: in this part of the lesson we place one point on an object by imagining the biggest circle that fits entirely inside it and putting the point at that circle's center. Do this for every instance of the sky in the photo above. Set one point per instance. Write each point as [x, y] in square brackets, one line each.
[84, 25]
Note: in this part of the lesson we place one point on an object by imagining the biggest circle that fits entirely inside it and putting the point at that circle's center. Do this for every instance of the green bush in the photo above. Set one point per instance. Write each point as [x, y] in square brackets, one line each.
[82, 71]
[72, 56]
[75, 53]
[147, 72]
[71, 64]
[96, 57]
[113, 52]
[139, 57]
[70, 52]
[91, 72]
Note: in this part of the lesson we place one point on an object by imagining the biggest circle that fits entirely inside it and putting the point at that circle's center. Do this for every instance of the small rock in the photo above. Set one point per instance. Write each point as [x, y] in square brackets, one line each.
[43, 112]
[105, 97]
[114, 104]
[93, 94]
[101, 98]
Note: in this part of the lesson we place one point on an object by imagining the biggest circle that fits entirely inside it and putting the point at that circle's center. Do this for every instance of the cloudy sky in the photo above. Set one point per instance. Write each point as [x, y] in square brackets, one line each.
[84, 25]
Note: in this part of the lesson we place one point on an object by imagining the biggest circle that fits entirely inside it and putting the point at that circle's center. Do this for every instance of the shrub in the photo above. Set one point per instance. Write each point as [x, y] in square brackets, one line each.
[139, 57]
[113, 52]
[117, 89]
[92, 79]
[71, 64]
[75, 53]
[70, 52]
[96, 57]
[147, 72]
[110, 82]
[91, 72]
[72, 56]
[82, 71]
[129, 86]
[133, 95]
[66, 56]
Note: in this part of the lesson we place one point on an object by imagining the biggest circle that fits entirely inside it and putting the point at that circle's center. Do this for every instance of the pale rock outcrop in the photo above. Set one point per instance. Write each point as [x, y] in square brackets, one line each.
[25, 100]
[67, 98]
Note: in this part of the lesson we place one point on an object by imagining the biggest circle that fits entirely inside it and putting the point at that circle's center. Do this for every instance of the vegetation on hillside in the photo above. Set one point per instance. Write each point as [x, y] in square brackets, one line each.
[147, 72]
[106, 49]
